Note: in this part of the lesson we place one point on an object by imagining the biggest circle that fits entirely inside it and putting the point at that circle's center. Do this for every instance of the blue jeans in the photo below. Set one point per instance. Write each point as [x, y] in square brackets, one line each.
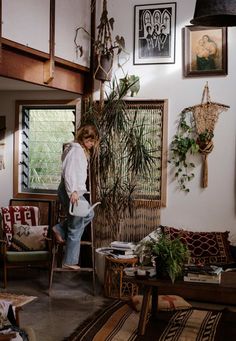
[72, 228]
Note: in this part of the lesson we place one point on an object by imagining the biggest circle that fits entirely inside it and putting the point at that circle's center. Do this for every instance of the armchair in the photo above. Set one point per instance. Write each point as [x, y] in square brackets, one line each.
[24, 241]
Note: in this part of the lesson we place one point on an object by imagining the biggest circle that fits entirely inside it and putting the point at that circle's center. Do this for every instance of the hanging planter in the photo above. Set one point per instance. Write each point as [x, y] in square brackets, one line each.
[104, 45]
[195, 135]
[103, 67]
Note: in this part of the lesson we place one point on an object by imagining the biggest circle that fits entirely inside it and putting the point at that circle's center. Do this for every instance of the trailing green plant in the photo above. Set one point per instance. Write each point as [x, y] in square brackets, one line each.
[186, 143]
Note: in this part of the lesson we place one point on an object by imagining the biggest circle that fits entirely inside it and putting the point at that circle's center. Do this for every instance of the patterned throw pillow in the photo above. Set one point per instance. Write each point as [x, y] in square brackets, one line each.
[10, 215]
[165, 303]
[204, 247]
[29, 238]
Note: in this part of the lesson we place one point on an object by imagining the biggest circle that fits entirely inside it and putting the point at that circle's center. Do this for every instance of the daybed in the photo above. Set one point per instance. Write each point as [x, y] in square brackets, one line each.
[206, 248]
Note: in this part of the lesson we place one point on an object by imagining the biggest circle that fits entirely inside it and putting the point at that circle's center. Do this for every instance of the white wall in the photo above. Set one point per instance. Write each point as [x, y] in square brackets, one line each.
[7, 108]
[212, 208]
[27, 22]
[69, 16]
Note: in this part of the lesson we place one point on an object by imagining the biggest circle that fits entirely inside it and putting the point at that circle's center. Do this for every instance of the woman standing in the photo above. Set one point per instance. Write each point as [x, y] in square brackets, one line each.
[71, 189]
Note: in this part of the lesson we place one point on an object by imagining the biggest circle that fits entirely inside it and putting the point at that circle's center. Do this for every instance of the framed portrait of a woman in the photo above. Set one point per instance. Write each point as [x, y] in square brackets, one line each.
[205, 51]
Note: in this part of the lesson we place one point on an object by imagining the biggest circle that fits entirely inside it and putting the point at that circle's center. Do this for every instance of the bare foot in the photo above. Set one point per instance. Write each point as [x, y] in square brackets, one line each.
[57, 235]
[71, 267]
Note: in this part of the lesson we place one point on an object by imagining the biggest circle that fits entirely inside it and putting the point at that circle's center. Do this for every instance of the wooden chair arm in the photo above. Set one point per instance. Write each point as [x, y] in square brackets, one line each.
[49, 243]
[3, 246]
[17, 316]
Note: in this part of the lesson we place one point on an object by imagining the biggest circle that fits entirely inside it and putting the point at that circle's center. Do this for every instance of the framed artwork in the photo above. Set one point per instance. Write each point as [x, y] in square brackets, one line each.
[154, 33]
[205, 51]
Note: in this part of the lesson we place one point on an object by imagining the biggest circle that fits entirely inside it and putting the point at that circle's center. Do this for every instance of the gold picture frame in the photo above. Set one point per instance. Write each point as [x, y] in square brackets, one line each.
[205, 51]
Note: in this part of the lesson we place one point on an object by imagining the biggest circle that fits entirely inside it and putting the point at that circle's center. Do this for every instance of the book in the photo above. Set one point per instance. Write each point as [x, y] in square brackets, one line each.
[123, 245]
[194, 275]
[205, 269]
[125, 256]
[120, 251]
[203, 278]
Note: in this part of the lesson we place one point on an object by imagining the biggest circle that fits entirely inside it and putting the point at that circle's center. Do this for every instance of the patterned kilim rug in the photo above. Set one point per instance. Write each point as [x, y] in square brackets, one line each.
[16, 300]
[118, 322]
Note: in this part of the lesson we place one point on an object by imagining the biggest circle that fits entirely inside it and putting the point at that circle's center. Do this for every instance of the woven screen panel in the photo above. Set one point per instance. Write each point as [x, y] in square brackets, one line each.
[135, 227]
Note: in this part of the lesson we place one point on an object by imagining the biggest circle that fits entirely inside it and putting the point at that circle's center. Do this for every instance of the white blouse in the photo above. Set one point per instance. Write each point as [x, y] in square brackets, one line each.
[74, 169]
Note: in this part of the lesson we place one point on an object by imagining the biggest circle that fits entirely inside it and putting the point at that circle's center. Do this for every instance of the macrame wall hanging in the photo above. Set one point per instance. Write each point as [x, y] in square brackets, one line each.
[2, 141]
[205, 116]
[194, 135]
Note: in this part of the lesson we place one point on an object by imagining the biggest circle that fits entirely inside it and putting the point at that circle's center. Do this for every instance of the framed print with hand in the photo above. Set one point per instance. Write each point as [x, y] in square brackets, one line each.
[154, 33]
[205, 51]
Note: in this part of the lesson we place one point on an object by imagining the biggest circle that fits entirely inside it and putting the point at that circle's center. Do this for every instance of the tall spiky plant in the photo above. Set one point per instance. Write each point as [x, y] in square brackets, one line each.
[124, 154]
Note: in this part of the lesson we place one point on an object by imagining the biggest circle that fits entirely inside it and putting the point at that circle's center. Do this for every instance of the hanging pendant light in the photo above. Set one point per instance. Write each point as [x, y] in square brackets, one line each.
[215, 13]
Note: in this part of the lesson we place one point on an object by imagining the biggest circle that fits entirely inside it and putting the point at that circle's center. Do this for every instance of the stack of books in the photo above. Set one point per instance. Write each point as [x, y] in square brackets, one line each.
[119, 249]
[123, 249]
[203, 274]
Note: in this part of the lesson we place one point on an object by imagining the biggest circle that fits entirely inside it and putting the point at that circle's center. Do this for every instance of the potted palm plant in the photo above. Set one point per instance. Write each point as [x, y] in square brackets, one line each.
[124, 156]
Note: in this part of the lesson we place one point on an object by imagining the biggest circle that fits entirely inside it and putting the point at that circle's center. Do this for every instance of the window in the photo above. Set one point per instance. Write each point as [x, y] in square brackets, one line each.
[41, 131]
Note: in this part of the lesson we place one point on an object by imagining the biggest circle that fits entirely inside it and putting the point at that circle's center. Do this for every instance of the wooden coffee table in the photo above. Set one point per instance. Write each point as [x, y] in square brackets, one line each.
[216, 293]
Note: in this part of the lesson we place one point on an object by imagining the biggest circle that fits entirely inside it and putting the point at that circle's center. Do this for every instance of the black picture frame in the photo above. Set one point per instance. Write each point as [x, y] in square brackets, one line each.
[205, 51]
[154, 33]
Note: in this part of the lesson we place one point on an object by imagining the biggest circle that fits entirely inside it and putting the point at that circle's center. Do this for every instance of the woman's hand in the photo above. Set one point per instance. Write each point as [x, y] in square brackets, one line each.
[74, 197]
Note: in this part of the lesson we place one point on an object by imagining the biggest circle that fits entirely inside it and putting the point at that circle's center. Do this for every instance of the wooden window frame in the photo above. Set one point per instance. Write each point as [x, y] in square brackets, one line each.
[17, 193]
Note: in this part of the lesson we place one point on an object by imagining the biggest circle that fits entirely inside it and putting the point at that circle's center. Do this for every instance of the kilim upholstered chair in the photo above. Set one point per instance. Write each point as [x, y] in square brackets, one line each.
[24, 241]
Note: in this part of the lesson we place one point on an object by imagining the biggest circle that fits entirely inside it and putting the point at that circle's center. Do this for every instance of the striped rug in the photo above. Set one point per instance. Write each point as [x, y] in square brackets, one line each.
[118, 322]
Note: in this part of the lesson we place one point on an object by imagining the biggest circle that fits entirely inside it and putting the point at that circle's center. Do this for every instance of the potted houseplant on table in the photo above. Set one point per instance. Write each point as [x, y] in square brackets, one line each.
[169, 255]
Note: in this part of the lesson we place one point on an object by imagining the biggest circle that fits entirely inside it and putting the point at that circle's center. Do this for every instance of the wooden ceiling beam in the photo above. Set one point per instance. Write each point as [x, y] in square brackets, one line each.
[23, 63]
[30, 68]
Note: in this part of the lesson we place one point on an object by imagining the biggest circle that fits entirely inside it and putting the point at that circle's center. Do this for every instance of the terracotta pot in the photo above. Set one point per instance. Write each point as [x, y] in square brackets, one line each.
[103, 67]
